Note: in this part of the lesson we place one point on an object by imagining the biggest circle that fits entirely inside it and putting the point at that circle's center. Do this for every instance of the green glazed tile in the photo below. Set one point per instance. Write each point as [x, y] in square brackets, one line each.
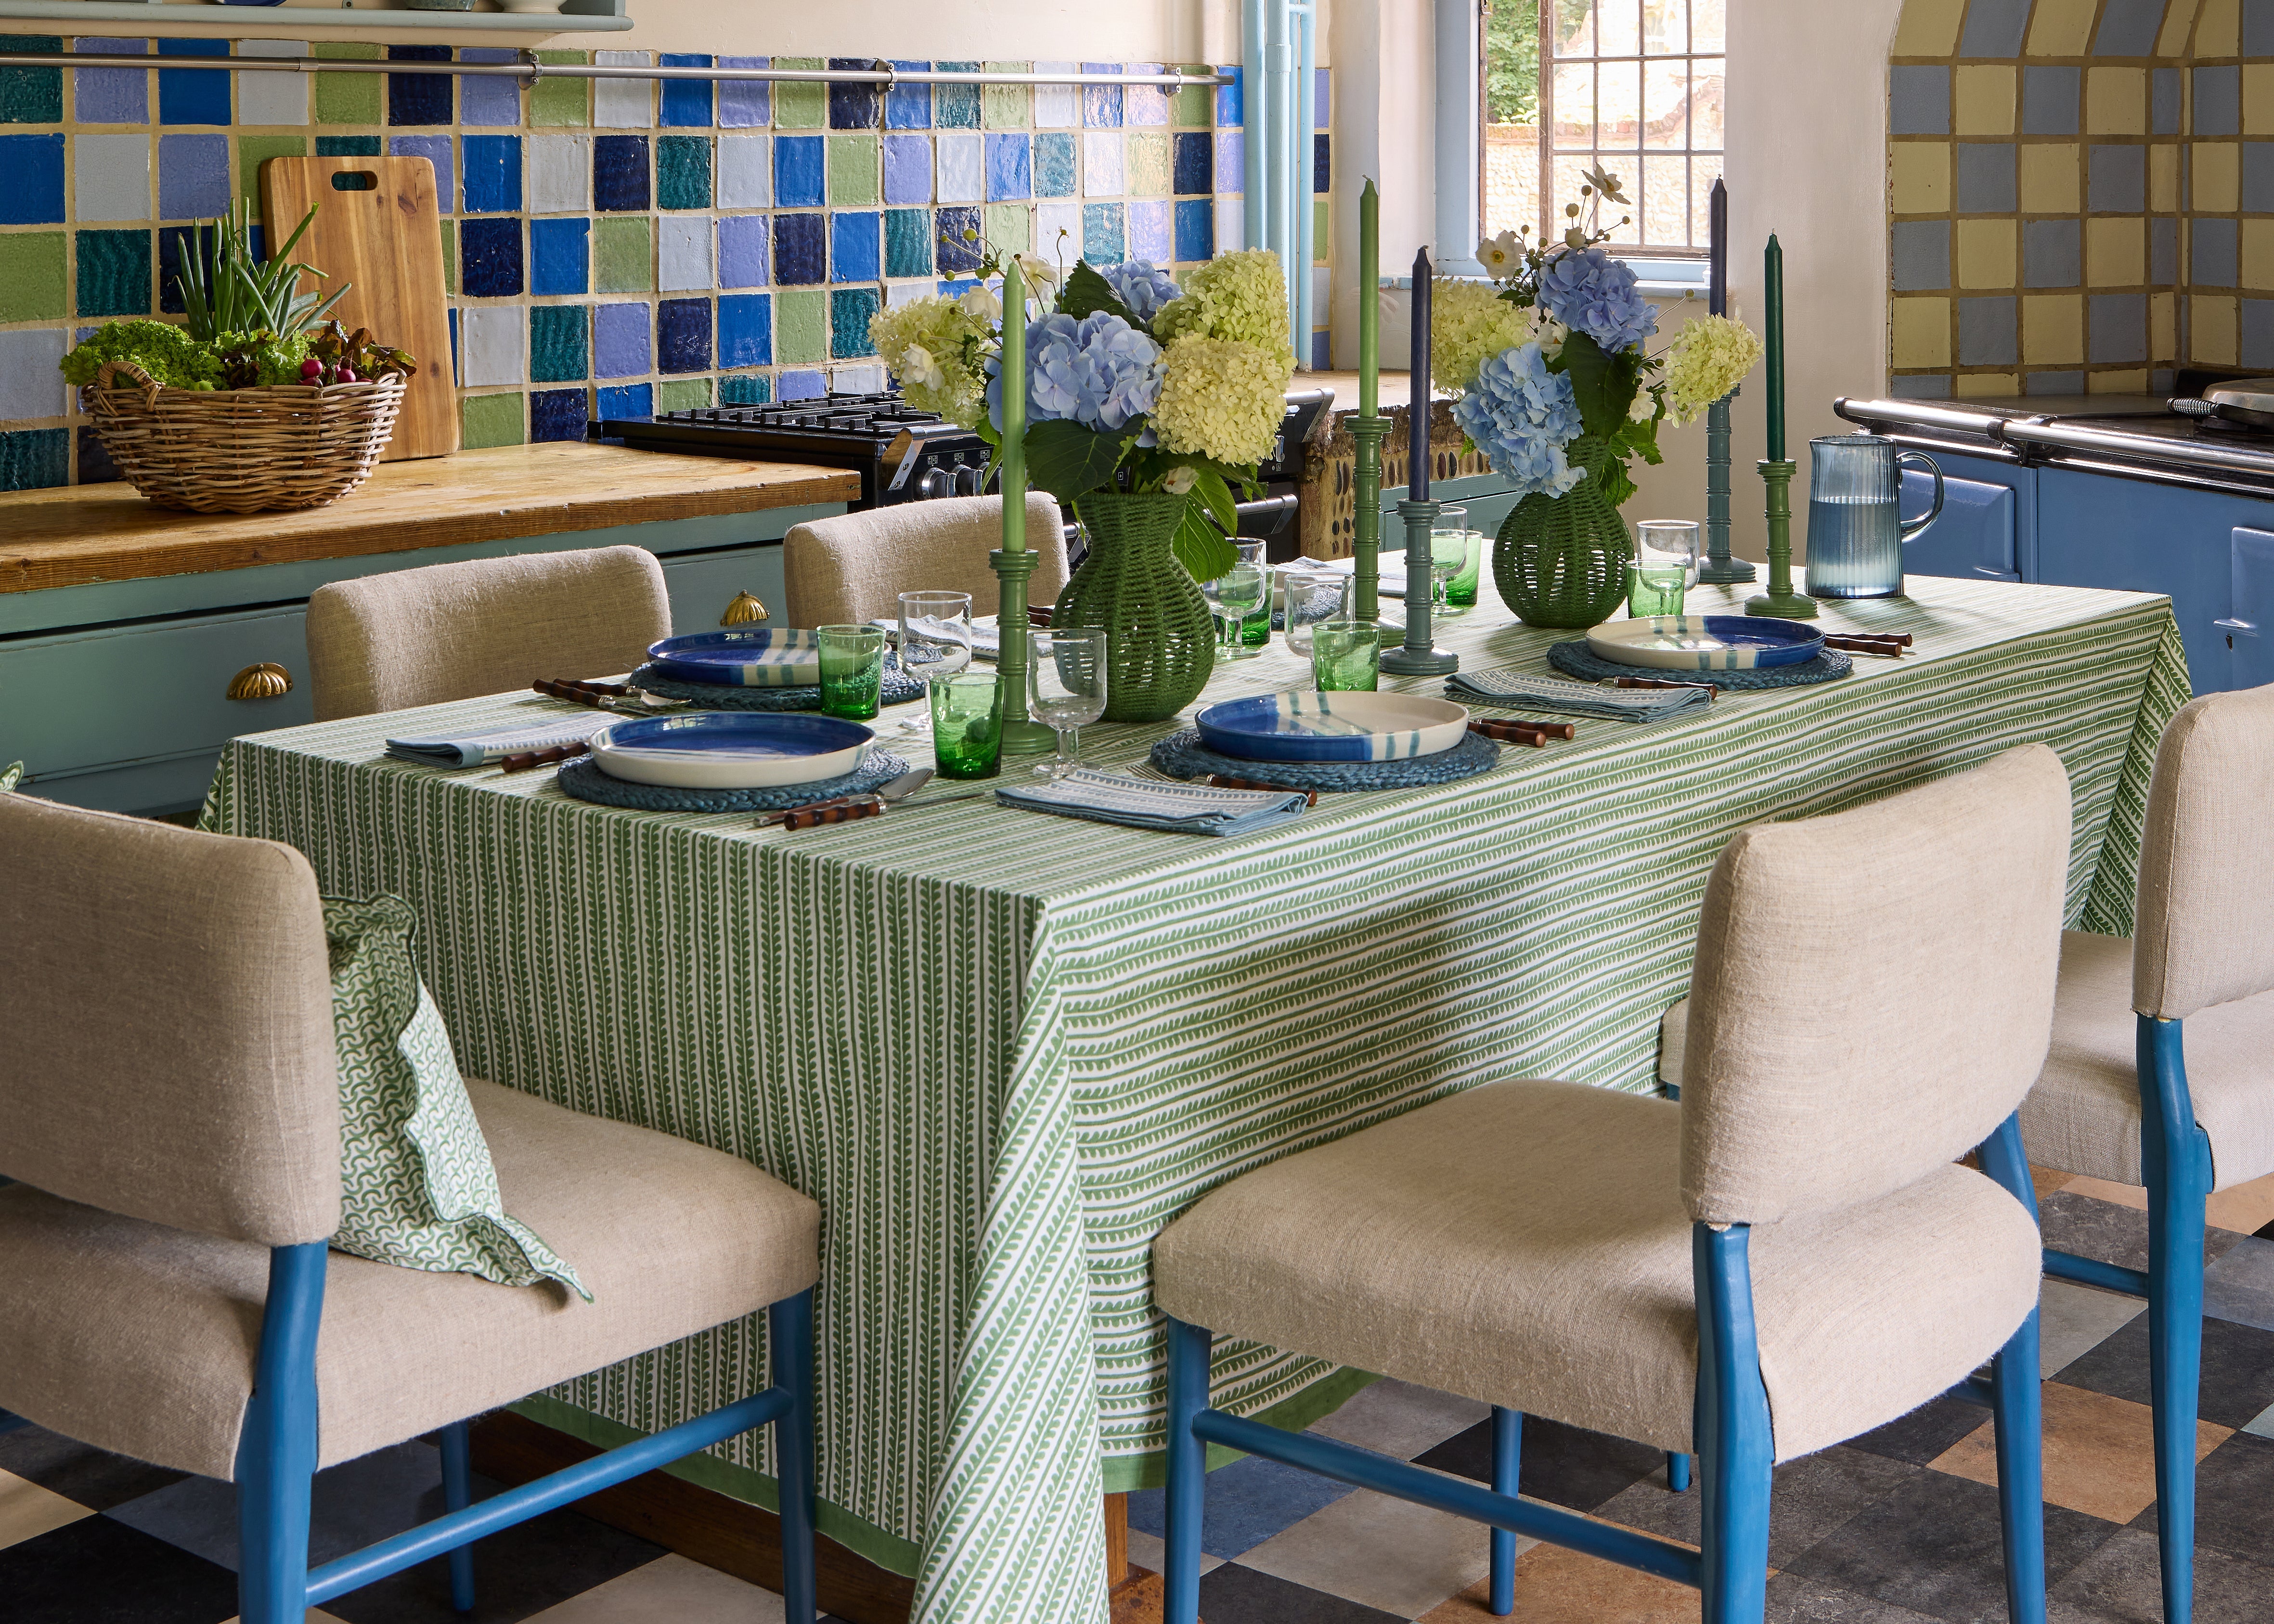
[349, 147]
[1010, 106]
[851, 309]
[956, 107]
[907, 241]
[252, 151]
[557, 102]
[682, 172]
[1321, 236]
[350, 98]
[35, 459]
[450, 256]
[33, 284]
[1010, 228]
[559, 347]
[623, 254]
[114, 273]
[1147, 163]
[1193, 108]
[800, 326]
[801, 107]
[852, 165]
[683, 394]
[491, 420]
[32, 95]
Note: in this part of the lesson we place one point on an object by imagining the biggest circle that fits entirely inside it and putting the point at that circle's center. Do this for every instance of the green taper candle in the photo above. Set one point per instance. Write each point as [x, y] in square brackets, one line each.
[1369, 301]
[1773, 289]
[1014, 409]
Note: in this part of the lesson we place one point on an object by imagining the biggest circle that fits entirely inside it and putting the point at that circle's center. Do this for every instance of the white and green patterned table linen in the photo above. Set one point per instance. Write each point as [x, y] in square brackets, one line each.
[1003, 1049]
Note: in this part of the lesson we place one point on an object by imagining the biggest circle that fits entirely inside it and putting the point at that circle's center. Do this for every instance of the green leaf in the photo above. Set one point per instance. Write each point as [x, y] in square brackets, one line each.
[1616, 483]
[1603, 385]
[1204, 551]
[1085, 293]
[1215, 497]
[1070, 460]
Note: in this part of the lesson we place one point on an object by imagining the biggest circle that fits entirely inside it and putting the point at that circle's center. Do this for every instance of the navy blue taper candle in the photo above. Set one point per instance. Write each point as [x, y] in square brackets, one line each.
[1416, 406]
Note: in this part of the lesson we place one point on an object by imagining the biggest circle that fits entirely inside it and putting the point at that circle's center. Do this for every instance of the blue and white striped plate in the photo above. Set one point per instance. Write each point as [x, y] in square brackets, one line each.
[763, 657]
[730, 749]
[1705, 642]
[1331, 727]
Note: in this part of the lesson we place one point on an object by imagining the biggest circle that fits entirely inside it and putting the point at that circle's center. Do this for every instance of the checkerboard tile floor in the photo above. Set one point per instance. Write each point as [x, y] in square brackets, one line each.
[1897, 1527]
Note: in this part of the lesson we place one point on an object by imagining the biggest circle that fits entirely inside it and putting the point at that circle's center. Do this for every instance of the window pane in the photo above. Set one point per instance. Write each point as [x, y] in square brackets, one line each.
[1666, 95]
[1618, 110]
[1665, 27]
[1511, 178]
[1703, 173]
[1708, 26]
[1706, 87]
[1665, 213]
[1575, 104]
[1575, 26]
[1617, 27]
[1571, 175]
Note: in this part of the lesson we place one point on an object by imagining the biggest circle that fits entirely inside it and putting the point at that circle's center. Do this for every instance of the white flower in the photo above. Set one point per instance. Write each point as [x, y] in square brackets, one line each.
[917, 368]
[1502, 256]
[1040, 273]
[982, 303]
[1177, 481]
[1644, 407]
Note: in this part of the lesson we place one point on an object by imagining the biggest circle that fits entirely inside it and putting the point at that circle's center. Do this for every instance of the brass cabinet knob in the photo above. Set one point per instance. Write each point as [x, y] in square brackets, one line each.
[743, 610]
[266, 680]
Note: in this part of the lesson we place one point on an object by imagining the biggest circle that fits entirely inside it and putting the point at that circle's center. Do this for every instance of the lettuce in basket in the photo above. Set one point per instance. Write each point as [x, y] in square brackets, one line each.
[170, 355]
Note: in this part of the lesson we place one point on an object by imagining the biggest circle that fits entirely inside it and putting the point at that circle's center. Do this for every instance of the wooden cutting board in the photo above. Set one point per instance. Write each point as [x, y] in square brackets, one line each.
[377, 227]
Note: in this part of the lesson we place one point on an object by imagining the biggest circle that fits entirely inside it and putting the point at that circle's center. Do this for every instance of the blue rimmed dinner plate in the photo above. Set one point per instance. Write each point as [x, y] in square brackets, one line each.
[761, 656]
[1705, 642]
[730, 749]
[1332, 727]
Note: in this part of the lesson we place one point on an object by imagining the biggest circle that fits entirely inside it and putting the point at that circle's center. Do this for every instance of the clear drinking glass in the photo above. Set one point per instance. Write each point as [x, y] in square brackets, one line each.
[935, 634]
[1461, 591]
[1240, 593]
[1065, 688]
[1256, 630]
[1346, 655]
[967, 724]
[852, 670]
[1307, 597]
[1665, 566]
[1449, 550]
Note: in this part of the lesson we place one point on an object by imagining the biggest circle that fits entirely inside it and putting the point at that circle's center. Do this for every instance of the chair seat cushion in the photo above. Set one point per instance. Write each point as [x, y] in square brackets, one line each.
[2084, 1116]
[140, 1339]
[1526, 1243]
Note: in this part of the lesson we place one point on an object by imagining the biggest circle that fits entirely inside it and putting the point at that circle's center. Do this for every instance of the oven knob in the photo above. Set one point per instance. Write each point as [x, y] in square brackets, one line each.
[937, 482]
[967, 480]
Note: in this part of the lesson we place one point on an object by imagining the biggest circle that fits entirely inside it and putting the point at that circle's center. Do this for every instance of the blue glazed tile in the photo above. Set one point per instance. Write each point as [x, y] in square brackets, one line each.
[1010, 179]
[1918, 101]
[172, 242]
[801, 250]
[490, 171]
[1231, 160]
[489, 259]
[1921, 255]
[488, 101]
[1054, 164]
[854, 107]
[1104, 240]
[456, 373]
[1994, 28]
[192, 96]
[743, 251]
[34, 165]
[619, 173]
[1322, 173]
[682, 172]
[350, 146]
[683, 336]
[112, 95]
[686, 101]
[638, 401]
[94, 464]
[746, 330]
[2119, 328]
[2050, 100]
[1191, 163]
[2164, 101]
[745, 391]
[1145, 104]
[2128, 28]
[956, 107]
[2118, 183]
[800, 167]
[908, 169]
[1152, 231]
[855, 245]
[955, 252]
[2052, 253]
[2218, 100]
[1322, 351]
[2217, 257]
[2257, 27]
[620, 341]
[559, 256]
[436, 150]
[418, 98]
[1986, 178]
[1989, 332]
[2164, 251]
[850, 312]
[35, 459]
[908, 107]
[558, 414]
[192, 176]
[560, 343]
[1228, 112]
[1323, 98]
[745, 104]
[1246, 1503]
[907, 241]
[1195, 230]
[803, 385]
[2257, 177]
[1101, 104]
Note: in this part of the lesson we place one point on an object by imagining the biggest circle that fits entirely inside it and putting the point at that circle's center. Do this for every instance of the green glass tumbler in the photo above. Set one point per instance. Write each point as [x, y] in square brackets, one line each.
[1461, 591]
[1346, 655]
[967, 724]
[852, 670]
[1655, 590]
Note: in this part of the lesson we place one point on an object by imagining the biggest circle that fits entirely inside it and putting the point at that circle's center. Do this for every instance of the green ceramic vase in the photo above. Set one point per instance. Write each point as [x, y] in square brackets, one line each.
[1562, 560]
[1160, 632]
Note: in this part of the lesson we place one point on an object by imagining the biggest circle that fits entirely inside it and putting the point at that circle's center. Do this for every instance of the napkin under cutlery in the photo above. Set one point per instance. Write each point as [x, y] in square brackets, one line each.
[480, 749]
[1521, 690]
[1155, 803]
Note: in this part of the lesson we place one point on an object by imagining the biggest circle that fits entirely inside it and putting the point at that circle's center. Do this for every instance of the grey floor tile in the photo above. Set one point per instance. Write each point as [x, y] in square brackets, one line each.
[2074, 1319]
[355, 1504]
[2238, 1370]
[2234, 1504]
[2092, 1228]
[1795, 1601]
[1812, 1497]
[2122, 1583]
[1248, 1501]
[1398, 1419]
[2240, 1285]
[96, 1571]
[1388, 1553]
[94, 1477]
[1924, 1433]
[1566, 1465]
[1237, 1594]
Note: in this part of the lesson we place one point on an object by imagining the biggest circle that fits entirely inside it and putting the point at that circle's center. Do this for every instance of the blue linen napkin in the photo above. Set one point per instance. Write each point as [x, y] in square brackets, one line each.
[1521, 690]
[1155, 803]
[480, 749]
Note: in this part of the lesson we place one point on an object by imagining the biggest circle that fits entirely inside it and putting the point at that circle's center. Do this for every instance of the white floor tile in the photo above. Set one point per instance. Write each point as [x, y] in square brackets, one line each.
[1397, 1418]
[1378, 1552]
[671, 1588]
[2074, 1319]
[1146, 1551]
[28, 1510]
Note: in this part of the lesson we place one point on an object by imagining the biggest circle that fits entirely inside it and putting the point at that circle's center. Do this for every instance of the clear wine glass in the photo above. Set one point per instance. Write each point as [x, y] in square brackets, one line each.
[1065, 688]
[1239, 592]
[936, 637]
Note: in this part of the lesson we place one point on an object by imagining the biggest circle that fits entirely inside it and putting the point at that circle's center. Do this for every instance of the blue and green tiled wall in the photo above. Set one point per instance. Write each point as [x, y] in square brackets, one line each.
[612, 247]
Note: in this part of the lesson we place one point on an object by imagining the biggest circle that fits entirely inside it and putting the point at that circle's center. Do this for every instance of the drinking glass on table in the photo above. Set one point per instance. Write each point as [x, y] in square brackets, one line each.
[1256, 630]
[1461, 591]
[852, 670]
[1066, 687]
[1239, 592]
[967, 724]
[936, 637]
[1449, 551]
[1307, 597]
[1665, 566]
[1346, 655]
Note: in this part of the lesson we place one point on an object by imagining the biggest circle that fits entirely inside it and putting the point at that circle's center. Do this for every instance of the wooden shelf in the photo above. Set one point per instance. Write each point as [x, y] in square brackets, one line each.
[267, 22]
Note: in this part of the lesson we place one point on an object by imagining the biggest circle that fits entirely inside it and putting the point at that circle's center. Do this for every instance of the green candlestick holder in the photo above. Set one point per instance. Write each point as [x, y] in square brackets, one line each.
[1365, 524]
[1020, 736]
[1719, 566]
[1780, 600]
[1417, 656]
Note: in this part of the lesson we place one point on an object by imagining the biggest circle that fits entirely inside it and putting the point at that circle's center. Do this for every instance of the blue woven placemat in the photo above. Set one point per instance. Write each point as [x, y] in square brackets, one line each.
[1577, 659]
[1182, 755]
[897, 689]
[583, 780]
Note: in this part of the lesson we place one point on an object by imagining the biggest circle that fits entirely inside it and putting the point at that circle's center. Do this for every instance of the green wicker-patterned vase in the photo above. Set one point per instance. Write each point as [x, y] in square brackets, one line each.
[1160, 633]
[1562, 560]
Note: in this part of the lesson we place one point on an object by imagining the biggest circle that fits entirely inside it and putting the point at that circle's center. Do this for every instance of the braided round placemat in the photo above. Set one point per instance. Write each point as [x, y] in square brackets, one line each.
[1577, 659]
[898, 688]
[582, 779]
[1182, 755]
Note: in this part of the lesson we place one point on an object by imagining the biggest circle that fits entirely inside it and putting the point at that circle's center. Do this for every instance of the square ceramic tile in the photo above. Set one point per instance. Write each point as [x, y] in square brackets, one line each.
[110, 95]
[801, 106]
[907, 241]
[619, 173]
[559, 256]
[961, 171]
[1147, 163]
[746, 391]
[1009, 106]
[2074, 1319]
[743, 251]
[110, 177]
[1195, 230]
[485, 100]
[114, 273]
[1053, 165]
[66, 1574]
[30, 386]
[800, 328]
[192, 176]
[1383, 1552]
[28, 1510]
[745, 104]
[803, 385]
[1231, 160]
[956, 107]
[683, 252]
[855, 245]
[560, 343]
[957, 239]
[631, 401]
[620, 341]
[1192, 163]
[270, 98]
[908, 169]
[746, 176]
[354, 98]
[1105, 236]
[1247, 1502]
[682, 172]
[1145, 104]
[1050, 220]
[900, 293]
[558, 414]
[1058, 107]
[489, 170]
[1102, 168]
[1101, 104]
[850, 312]
[193, 96]
[493, 347]
[490, 258]
[800, 249]
[853, 168]
[674, 1588]
[686, 101]
[746, 329]
[854, 106]
[800, 170]
[1152, 231]
[1232, 1594]
[559, 174]
[436, 150]
[2123, 1580]
[2099, 1453]
[683, 336]
[419, 98]
[623, 103]
[908, 107]
[34, 459]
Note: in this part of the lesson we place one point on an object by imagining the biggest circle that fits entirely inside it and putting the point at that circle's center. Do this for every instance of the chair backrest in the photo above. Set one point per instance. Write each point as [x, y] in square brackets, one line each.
[452, 631]
[1873, 992]
[2203, 925]
[167, 1047]
[852, 568]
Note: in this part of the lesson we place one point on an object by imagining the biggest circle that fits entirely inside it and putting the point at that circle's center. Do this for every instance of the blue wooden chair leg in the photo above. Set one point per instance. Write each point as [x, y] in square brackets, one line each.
[1508, 1460]
[789, 1324]
[1189, 1347]
[458, 1494]
[2175, 1158]
[1678, 1472]
[276, 1451]
[1737, 1444]
[2017, 1402]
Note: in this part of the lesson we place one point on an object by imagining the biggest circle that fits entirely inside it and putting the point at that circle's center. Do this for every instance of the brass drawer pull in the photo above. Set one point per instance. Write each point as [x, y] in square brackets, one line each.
[266, 680]
[744, 610]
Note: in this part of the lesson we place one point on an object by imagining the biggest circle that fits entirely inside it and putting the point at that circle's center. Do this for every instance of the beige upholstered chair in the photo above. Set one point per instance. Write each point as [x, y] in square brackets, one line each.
[852, 569]
[1791, 1256]
[452, 631]
[169, 1106]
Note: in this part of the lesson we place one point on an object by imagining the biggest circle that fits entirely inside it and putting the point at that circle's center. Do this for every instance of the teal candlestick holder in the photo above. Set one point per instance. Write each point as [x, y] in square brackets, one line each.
[1780, 600]
[1365, 522]
[1719, 566]
[1417, 656]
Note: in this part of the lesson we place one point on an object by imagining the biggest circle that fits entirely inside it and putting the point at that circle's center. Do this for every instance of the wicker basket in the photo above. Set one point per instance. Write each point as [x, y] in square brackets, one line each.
[241, 450]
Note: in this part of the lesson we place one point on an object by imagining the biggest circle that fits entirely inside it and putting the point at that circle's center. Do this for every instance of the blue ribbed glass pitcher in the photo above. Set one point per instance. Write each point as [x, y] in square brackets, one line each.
[1855, 529]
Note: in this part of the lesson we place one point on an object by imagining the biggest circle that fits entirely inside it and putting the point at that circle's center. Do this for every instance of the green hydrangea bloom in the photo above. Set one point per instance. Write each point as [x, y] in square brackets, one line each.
[1241, 298]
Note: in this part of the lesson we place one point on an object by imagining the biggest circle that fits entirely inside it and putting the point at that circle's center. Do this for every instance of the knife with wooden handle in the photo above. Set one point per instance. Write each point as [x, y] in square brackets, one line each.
[528, 759]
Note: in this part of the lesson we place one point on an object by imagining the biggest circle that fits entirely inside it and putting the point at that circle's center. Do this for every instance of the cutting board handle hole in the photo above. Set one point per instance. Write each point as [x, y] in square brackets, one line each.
[355, 180]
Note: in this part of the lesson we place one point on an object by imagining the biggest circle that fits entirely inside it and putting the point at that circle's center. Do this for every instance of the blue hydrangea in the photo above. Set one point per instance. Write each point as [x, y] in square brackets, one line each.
[1142, 286]
[1522, 415]
[1590, 293]
[1098, 371]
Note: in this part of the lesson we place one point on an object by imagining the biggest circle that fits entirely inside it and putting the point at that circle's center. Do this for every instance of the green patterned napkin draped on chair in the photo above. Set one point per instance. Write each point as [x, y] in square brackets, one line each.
[418, 1187]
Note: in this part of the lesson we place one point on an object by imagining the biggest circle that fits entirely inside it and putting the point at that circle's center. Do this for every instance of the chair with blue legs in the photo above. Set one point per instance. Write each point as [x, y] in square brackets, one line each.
[169, 1109]
[1790, 1257]
[2161, 1068]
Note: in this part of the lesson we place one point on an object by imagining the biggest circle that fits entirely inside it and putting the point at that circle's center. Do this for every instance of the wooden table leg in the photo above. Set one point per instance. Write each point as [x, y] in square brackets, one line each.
[1135, 1591]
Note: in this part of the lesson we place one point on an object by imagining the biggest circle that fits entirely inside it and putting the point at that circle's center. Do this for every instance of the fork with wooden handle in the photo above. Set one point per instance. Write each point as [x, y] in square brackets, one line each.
[528, 759]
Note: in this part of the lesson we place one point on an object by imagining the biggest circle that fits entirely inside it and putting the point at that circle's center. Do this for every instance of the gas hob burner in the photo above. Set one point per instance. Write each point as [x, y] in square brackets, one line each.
[901, 454]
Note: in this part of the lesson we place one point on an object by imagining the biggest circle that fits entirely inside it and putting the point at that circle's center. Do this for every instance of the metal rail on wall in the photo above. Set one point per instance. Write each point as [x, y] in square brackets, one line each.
[884, 73]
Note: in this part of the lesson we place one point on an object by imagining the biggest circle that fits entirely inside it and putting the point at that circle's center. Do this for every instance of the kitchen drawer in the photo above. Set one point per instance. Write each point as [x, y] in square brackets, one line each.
[701, 584]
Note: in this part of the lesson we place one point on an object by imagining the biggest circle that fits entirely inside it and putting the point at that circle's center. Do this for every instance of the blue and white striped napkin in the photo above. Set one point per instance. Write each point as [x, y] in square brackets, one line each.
[1155, 803]
[1521, 690]
[478, 749]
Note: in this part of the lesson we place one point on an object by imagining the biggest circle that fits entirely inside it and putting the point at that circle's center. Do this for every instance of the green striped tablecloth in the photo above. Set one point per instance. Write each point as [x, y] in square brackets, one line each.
[1003, 1049]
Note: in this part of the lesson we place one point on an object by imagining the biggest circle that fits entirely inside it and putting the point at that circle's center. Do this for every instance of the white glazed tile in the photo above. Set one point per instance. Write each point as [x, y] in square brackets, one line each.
[1323, 288]
[868, 379]
[1231, 226]
[28, 1510]
[30, 386]
[1058, 107]
[670, 1588]
[110, 177]
[1050, 220]
[683, 252]
[897, 293]
[623, 103]
[1380, 1552]
[1398, 1419]
[559, 174]
[746, 172]
[272, 97]
[495, 346]
[960, 166]
[1101, 171]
